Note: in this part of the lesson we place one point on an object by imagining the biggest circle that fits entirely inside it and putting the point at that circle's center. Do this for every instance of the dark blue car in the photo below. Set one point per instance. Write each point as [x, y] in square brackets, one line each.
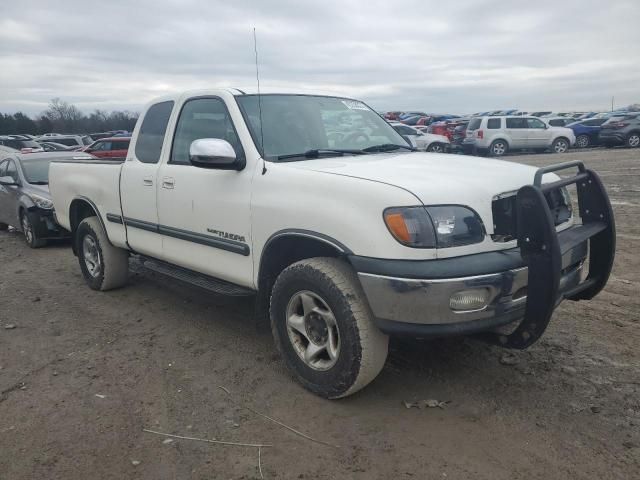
[587, 131]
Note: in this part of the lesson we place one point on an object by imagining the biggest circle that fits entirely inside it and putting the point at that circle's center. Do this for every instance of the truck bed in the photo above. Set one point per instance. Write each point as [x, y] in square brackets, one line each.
[96, 181]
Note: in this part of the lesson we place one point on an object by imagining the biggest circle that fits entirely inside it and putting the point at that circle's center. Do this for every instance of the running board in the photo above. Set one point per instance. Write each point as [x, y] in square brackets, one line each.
[194, 278]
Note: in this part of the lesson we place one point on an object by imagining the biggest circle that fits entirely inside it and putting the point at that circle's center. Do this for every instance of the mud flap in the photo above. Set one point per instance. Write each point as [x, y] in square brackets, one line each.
[542, 249]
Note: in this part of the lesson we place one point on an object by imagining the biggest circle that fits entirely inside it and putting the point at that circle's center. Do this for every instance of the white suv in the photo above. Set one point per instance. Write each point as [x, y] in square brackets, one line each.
[497, 135]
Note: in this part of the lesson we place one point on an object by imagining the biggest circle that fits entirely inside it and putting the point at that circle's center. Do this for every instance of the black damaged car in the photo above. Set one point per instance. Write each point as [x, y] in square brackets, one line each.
[25, 202]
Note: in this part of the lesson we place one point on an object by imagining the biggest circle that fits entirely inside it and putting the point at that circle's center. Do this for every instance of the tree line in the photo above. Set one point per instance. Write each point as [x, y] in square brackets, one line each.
[63, 117]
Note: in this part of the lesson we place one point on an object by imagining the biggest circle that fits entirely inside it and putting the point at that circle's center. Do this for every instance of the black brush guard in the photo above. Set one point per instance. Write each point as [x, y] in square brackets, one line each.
[542, 249]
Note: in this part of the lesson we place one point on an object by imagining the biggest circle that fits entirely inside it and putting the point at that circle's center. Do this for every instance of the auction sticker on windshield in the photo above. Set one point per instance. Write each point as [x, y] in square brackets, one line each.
[355, 105]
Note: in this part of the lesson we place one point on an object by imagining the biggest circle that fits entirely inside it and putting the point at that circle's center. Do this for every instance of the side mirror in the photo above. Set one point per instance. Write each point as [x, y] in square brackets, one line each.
[8, 181]
[214, 153]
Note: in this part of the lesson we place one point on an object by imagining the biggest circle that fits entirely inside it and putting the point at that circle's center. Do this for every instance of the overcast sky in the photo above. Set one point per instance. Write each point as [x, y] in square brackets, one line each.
[440, 56]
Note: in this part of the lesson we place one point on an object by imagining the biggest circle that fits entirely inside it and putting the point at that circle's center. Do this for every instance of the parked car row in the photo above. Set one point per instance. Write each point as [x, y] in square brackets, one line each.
[489, 133]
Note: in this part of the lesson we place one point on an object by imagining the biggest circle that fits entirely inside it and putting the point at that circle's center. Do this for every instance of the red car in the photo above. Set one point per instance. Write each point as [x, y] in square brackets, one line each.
[113, 147]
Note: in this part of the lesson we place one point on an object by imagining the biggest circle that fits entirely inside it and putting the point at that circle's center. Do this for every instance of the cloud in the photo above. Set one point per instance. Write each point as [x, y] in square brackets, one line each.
[454, 57]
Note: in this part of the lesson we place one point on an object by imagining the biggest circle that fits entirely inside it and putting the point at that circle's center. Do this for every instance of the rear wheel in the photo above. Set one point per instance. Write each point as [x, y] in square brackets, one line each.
[560, 145]
[322, 326]
[103, 266]
[29, 232]
[633, 140]
[498, 148]
[583, 141]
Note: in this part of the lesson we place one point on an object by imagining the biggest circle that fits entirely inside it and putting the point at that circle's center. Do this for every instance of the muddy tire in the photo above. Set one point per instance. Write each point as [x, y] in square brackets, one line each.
[103, 266]
[323, 328]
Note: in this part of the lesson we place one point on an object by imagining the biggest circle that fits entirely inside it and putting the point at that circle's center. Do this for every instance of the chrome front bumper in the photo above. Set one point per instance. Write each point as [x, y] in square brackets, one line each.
[424, 304]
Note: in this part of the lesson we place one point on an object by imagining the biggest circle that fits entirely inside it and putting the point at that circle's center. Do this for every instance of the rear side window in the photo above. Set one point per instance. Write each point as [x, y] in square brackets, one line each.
[516, 123]
[474, 124]
[151, 136]
[556, 122]
[70, 142]
[493, 123]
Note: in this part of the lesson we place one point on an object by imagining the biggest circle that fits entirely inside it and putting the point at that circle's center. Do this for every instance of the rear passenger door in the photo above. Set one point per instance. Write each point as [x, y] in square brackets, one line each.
[516, 129]
[539, 135]
[138, 181]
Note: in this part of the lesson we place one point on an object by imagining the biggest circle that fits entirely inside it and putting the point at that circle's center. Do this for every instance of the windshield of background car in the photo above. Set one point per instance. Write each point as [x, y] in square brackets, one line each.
[295, 124]
[36, 170]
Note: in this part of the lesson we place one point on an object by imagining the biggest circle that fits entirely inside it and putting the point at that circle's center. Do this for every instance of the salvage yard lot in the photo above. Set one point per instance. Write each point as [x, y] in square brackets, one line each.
[83, 373]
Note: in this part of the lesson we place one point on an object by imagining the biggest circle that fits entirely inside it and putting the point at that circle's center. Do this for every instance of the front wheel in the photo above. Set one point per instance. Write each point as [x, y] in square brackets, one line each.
[560, 145]
[322, 326]
[436, 147]
[29, 231]
[103, 266]
[633, 140]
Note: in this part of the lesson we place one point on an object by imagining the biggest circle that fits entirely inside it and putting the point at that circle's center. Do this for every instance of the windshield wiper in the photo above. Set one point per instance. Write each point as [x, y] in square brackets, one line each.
[387, 147]
[316, 153]
[39, 183]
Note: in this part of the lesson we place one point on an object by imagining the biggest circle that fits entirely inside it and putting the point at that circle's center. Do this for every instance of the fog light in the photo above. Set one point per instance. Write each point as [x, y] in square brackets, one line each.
[466, 300]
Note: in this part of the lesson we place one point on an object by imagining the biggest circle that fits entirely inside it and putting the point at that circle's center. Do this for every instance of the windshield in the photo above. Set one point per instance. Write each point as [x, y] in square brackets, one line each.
[36, 171]
[294, 124]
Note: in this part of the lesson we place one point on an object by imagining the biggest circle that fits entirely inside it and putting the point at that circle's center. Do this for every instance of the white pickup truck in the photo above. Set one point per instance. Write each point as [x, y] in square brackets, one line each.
[339, 231]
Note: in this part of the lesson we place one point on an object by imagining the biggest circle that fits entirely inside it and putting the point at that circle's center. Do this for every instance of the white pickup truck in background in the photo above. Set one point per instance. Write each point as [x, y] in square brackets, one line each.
[341, 232]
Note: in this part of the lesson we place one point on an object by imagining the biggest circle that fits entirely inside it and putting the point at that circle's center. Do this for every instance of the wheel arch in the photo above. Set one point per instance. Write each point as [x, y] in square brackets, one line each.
[284, 248]
[79, 209]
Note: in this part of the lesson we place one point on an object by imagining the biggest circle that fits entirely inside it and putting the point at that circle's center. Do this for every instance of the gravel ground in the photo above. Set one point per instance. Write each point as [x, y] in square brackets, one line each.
[83, 373]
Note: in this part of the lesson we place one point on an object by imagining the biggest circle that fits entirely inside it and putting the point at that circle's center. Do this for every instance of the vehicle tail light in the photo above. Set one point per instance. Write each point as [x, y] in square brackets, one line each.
[480, 134]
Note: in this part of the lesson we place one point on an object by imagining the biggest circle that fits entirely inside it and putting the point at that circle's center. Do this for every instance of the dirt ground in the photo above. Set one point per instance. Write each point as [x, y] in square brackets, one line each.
[83, 373]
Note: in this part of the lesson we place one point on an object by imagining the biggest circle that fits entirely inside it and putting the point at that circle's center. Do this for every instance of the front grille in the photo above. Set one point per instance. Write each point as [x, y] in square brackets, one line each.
[503, 208]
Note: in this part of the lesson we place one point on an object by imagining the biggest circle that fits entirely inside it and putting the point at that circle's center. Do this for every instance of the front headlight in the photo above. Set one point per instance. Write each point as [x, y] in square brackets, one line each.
[456, 226]
[438, 226]
[42, 202]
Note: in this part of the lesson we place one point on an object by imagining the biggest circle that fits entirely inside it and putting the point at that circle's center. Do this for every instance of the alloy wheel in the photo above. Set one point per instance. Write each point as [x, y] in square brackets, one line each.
[582, 141]
[499, 148]
[313, 330]
[91, 256]
[560, 146]
[634, 140]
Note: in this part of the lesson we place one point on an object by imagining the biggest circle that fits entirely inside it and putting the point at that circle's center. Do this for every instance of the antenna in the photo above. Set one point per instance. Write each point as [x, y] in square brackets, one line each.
[255, 48]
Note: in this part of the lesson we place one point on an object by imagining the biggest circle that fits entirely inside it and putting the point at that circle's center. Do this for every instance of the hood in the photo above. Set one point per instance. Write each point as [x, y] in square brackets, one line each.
[435, 179]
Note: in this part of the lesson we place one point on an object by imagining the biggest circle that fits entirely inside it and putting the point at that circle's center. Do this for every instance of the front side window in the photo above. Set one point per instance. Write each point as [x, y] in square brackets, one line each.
[3, 168]
[535, 123]
[493, 123]
[12, 171]
[291, 125]
[202, 118]
[516, 122]
[151, 136]
[402, 130]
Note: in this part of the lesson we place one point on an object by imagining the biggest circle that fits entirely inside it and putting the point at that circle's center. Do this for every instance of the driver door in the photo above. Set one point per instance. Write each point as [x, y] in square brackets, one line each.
[538, 134]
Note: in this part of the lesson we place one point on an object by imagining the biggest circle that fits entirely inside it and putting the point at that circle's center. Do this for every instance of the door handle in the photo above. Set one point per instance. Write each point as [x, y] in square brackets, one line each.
[147, 181]
[168, 182]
